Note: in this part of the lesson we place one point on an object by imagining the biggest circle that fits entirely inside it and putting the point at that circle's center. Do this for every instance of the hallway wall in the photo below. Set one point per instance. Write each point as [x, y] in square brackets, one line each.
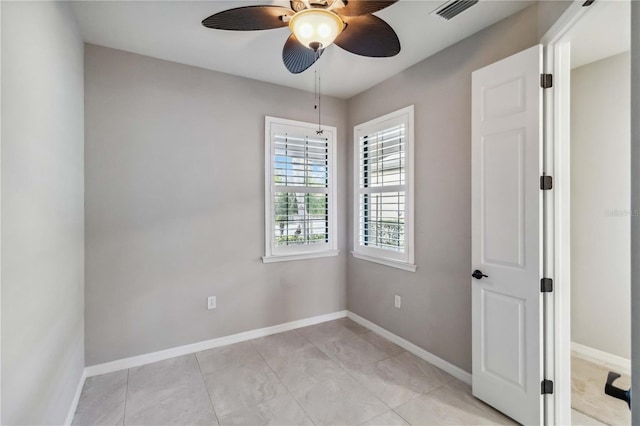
[42, 212]
[600, 205]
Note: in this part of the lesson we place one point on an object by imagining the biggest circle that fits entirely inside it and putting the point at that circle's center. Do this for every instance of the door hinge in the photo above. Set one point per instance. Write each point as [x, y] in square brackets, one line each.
[546, 285]
[546, 387]
[546, 182]
[546, 81]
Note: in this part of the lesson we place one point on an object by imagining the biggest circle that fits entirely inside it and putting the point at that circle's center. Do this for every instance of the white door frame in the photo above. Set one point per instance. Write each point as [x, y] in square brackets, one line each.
[557, 202]
[635, 204]
[0, 229]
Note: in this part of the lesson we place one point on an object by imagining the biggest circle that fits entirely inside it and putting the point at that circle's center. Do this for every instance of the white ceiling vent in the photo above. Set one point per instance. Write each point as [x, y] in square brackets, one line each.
[453, 8]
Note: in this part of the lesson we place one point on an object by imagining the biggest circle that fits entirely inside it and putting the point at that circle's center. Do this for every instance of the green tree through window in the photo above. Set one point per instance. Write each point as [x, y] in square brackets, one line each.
[315, 204]
[286, 206]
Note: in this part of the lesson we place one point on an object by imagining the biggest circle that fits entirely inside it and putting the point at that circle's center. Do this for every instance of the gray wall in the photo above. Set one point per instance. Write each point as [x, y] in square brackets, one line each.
[436, 308]
[600, 204]
[175, 207]
[548, 12]
[635, 205]
[42, 212]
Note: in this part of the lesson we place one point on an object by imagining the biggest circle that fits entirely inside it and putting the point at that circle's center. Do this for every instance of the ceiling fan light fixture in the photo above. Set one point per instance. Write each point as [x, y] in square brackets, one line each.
[316, 28]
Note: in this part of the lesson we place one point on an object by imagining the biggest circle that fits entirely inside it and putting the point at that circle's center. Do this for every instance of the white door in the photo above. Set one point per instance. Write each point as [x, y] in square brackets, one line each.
[507, 235]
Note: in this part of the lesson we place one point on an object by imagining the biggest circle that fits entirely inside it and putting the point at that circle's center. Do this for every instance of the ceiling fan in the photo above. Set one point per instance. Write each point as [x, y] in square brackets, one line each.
[316, 24]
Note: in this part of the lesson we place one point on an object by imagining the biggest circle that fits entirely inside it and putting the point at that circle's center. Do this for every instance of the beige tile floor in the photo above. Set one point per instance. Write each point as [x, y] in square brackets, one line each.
[335, 373]
[590, 405]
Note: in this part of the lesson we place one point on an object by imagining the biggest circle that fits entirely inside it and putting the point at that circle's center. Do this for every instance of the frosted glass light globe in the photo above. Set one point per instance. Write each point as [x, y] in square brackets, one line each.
[316, 28]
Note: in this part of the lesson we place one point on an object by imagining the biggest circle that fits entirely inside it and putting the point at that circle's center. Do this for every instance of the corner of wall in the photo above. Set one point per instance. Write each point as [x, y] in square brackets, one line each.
[548, 14]
[437, 315]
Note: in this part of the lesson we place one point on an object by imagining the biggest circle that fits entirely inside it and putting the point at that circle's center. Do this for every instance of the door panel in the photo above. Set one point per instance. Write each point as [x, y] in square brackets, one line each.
[506, 234]
[504, 99]
[502, 195]
[504, 340]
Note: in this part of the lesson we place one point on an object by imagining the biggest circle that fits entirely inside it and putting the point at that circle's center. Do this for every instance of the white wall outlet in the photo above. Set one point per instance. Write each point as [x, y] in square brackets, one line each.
[397, 301]
[211, 302]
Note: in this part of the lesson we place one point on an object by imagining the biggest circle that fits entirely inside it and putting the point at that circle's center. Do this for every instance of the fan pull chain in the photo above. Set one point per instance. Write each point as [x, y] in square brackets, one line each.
[318, 104]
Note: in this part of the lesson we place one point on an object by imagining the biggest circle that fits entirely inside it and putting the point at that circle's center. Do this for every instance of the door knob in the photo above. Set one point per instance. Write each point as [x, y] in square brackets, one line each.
[477, 274]
[615, 391]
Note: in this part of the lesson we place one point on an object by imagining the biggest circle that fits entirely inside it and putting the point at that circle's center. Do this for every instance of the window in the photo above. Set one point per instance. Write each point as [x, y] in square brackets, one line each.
[300, 207]
[383, 204]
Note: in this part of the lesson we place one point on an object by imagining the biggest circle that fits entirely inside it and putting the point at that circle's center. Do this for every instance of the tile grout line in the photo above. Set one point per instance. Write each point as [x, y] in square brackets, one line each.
[302, 408]
[357, 335]
[422, 394]
[442, 383]
[288, 390]
[213, 408]
[316, 346]
[303, 336]
[367, 391]
[587, 415]
[277, 377]
[400, 415]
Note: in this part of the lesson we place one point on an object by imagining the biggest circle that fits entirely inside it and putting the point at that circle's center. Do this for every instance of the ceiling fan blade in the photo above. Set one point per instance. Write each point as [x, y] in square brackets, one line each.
[297, 5]
[363, 7]
[369, 35]
[296, 57]
[249, 18]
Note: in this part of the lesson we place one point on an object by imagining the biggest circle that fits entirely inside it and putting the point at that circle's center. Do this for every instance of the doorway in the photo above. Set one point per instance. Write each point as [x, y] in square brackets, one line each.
[590, 60]
[600, 213]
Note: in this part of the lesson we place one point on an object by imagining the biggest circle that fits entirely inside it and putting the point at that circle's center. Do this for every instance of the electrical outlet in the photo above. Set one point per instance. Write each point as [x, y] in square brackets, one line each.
[397, 301]
[211, 302]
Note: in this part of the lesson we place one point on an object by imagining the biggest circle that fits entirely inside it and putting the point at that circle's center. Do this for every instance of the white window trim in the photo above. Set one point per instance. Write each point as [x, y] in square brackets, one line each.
[371, 254]
[298, 252]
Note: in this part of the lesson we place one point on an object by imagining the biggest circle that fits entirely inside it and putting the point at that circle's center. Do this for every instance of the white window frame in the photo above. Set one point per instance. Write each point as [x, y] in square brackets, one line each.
[406, 260]
[275, 253]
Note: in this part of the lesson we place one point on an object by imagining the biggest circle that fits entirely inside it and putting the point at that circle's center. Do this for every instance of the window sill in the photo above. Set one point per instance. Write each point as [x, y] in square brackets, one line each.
[387, 262]
[300, 256]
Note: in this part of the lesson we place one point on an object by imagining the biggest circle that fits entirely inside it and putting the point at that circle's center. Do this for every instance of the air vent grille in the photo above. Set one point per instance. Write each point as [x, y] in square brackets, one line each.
[453, 8]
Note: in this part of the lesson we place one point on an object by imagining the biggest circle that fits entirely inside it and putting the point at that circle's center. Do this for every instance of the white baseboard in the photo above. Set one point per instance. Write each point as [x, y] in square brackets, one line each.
[446, 366]
[615, 362]
[136, 361]
[76, 398]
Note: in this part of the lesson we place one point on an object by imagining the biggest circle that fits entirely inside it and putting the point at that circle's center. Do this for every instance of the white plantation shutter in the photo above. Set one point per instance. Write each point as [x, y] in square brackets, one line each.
[301, 189]
[299, 205]
[384, 189]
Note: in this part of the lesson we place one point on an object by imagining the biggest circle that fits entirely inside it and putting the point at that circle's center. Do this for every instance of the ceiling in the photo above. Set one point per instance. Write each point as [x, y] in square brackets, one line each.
[604, 31]
[171, 30]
